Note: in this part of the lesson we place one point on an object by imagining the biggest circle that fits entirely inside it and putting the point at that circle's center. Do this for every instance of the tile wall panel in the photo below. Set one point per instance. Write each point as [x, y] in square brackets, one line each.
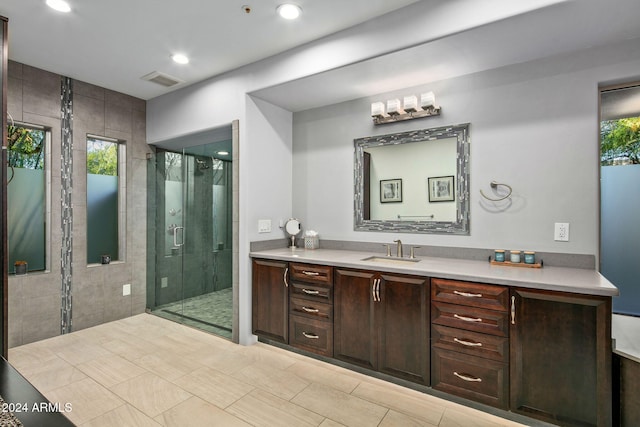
[35, 299]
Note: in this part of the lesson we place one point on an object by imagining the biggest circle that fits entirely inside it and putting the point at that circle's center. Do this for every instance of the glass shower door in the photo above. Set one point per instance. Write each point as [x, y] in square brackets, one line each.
[193, 239]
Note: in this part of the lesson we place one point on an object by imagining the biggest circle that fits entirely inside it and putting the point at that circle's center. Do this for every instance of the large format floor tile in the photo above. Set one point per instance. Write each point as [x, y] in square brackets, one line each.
[148, 371]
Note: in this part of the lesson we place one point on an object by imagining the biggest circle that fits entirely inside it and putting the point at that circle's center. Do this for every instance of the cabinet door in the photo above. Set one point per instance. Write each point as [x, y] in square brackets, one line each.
[270, 297]
[355, 337]
[404, 327]
[561, 357]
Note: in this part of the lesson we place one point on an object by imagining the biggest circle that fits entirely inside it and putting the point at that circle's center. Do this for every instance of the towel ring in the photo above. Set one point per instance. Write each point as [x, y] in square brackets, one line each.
[495, 185]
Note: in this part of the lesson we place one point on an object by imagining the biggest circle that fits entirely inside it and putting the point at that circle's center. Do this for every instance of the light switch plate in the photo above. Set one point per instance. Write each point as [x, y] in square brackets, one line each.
[264, 226]
[126, 289]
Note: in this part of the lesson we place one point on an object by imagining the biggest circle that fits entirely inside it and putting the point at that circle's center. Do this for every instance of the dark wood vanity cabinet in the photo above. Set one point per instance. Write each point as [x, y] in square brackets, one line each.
[470, 340]
[270, 303]
[544, 354]
[381, 322]
[561, 357]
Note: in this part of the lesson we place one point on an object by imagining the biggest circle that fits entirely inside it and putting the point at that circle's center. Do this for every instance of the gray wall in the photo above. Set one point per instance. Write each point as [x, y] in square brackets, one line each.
[34, 300]
[533, 126]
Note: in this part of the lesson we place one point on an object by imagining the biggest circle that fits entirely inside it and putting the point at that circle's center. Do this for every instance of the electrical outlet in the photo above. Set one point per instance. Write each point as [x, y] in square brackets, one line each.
[164, 282]
[561, 233]
[126, 289]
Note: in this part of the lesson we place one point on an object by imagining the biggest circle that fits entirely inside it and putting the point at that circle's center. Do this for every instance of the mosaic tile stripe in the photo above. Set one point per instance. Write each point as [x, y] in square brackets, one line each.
[66, 259]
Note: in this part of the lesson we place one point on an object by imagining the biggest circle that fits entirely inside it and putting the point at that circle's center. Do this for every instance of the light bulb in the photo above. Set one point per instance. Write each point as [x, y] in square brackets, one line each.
[289, 11]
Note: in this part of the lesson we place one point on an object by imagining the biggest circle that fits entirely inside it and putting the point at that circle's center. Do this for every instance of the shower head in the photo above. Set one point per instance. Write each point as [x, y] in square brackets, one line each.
[202, 165]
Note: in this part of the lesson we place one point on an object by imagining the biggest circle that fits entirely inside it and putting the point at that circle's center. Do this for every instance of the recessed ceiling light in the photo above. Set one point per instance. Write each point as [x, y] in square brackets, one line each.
[59, 5]
[180, 58]
[289, 10]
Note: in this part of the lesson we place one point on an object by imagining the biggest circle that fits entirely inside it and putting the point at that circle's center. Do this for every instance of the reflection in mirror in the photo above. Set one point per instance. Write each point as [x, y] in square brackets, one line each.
[415, 181]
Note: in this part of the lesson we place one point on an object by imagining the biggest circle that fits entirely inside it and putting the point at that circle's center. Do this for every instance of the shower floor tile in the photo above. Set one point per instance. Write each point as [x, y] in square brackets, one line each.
[212, 312]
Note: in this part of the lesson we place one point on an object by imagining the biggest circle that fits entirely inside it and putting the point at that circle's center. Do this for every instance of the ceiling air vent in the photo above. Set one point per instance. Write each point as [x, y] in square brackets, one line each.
[162, 79]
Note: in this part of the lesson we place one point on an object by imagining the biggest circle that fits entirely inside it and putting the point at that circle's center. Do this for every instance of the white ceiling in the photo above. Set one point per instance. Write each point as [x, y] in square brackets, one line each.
[555, 29]
[113, 43]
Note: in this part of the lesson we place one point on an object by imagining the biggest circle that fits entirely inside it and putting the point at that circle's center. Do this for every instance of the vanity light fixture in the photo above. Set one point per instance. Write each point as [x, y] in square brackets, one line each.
[59, 5]
[289, 11]
[409, 109]
[179, 58]
[222, 153]
[378, 110]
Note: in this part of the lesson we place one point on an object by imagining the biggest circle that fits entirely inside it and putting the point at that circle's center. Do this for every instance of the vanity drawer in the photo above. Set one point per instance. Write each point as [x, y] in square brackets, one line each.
[311, 273]
[311, 335]
[470, 318]
[311, 292]
[472, 343]
[474, 378]
[492, 297]
[311, 309]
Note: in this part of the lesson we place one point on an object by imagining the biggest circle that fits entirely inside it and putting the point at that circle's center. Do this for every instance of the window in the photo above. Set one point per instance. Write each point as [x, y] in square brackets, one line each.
[105, 201]
[27, 194]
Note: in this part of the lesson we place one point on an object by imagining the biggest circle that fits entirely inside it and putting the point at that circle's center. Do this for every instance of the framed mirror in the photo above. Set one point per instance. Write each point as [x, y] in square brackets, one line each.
[413, 182]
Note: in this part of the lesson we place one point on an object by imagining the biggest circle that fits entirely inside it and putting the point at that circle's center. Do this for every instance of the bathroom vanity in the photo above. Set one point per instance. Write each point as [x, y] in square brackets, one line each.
[532, 341]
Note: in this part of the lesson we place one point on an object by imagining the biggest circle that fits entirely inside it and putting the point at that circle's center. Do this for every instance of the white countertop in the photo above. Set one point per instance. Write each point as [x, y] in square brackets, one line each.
[574, 280]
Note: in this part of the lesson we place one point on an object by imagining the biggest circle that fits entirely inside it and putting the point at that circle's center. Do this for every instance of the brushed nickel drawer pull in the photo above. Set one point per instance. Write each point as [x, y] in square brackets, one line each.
[310, 310]
[513, 310]
[310, 273]
[310, 292]
[466, 378]
[467, 294]
[378, 290]
[286, 270]
[310, 336]
[467, 343]
[468, 319]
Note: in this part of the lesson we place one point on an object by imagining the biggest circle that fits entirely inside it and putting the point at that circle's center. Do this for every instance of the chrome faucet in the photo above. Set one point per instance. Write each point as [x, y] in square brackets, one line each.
[399, 242]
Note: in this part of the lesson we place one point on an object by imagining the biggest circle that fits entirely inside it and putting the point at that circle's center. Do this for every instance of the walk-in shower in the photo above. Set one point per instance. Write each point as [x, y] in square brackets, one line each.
[189, 271]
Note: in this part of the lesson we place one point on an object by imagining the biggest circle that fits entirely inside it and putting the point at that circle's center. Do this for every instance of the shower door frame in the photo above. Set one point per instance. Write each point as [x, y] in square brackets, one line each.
[153, 279]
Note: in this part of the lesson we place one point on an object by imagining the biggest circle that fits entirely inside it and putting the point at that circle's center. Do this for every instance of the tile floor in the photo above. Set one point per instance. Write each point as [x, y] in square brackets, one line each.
[149, 371]
[212, 312]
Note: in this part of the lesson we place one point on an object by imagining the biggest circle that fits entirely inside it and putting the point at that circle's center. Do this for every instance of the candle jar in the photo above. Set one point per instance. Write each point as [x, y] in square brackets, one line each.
[529, 257]
[499, 255]
[515, 257]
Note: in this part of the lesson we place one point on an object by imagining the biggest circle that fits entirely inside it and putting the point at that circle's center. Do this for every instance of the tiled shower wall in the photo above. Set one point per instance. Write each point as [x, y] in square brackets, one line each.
[35, 299]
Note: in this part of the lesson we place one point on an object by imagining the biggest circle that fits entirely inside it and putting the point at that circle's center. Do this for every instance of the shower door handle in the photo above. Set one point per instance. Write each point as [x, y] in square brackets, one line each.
[175, 237]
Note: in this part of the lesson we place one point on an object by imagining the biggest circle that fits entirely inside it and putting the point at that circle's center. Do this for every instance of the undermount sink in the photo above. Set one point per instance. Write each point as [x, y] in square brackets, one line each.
[390, 260]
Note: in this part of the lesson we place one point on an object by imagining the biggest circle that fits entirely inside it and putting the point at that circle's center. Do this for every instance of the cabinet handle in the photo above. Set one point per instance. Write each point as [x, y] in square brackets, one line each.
[310, 336]
[467, 294]
[467, 343]
[468, 319]
[513, 310]
[310, 310]
[310, 292]
[375, 290]
[468, 378]
[286, 270]
[310, 273]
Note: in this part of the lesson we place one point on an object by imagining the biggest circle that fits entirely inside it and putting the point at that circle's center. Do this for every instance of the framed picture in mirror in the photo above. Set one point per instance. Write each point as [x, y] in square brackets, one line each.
[391, 190]
[441, 189]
